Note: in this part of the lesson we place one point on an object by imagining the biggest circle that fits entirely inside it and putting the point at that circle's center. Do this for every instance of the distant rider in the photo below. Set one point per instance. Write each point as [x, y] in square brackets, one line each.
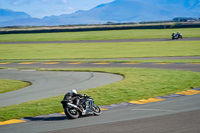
[179, 35]
[173, 35]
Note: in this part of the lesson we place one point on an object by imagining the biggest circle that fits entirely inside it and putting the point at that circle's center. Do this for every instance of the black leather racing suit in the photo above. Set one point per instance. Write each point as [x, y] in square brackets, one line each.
[76, 98]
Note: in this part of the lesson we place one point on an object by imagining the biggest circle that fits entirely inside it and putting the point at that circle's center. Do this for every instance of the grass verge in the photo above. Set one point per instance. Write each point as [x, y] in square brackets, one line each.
[99, 50]
[104, 61]
[7, 85]
[101, 35]
[138, 83]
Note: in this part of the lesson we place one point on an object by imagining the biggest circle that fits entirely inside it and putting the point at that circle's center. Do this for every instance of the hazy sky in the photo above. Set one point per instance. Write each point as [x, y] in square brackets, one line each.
[41, 8]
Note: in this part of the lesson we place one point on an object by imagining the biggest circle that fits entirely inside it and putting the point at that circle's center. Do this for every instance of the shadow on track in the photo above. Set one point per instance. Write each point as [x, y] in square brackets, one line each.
[46, 118]
[51, 117]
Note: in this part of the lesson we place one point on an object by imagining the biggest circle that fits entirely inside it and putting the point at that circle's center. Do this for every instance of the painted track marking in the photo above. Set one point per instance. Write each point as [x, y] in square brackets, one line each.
[13, 121]
[149, 100]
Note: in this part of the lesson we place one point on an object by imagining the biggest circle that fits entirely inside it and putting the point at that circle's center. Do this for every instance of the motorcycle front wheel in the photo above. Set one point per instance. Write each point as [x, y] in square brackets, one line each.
[97, 110]
[71, 113]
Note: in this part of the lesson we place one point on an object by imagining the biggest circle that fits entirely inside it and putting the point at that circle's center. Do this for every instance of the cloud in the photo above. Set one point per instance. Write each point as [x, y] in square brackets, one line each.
[64, 1]
[54, 1]
[20, 2]
[61, 2]
[70, 8]
[44, 0]
[15, 3]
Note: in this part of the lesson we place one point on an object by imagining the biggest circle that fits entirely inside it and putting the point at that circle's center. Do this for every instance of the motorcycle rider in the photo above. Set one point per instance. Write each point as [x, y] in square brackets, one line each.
[76, 105]
[76, 98]
[179, 35]
[173, 35]
[176, 35]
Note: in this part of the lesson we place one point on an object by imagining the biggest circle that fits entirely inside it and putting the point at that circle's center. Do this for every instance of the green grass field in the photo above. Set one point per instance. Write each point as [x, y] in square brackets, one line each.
[7, 85]
[99, 50]
[100, 35]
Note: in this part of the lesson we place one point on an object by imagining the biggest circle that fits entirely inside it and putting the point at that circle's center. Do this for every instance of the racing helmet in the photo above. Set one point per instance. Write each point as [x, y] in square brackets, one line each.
[73, 91]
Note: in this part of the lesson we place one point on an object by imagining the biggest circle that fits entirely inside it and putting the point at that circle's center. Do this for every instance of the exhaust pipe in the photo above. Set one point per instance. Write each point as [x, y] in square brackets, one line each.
[74, 106]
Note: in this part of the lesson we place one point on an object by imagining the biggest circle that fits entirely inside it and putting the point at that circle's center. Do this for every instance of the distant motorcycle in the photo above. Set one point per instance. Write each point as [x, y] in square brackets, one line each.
[72, 111]
[177, 36]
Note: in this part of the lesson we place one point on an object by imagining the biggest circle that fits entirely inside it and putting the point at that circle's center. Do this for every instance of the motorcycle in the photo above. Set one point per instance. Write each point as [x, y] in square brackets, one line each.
[177, 36]
[72, 111]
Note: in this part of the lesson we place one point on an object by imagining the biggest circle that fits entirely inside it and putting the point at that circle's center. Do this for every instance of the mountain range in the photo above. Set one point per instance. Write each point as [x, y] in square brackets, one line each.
[118, 11]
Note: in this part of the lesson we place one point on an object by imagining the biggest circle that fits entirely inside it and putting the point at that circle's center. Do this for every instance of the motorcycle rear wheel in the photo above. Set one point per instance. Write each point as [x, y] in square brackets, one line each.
[71, 113]
[97, 110]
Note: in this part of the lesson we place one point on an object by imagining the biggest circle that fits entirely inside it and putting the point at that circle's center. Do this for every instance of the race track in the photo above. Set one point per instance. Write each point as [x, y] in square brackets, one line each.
[173, 115]
[102, 41]
[51, 83]
[172, 66]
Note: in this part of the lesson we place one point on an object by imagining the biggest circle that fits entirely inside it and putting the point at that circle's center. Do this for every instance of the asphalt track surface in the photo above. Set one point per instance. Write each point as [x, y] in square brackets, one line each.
[174, 115]
[102, 41]
[172, 66]
[51, 83]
